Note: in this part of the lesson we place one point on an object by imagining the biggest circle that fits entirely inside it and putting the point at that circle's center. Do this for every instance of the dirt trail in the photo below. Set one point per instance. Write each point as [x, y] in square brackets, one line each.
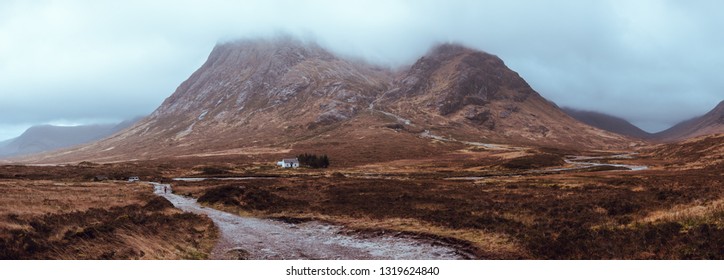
[253, 238]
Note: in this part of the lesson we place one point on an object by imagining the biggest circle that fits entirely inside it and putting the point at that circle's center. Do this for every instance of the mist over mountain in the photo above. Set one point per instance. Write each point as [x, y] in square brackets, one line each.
[607, 122]
[283, 93]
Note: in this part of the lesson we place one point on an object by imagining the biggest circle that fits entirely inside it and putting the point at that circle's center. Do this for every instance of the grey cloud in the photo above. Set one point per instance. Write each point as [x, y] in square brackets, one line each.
[652, 62]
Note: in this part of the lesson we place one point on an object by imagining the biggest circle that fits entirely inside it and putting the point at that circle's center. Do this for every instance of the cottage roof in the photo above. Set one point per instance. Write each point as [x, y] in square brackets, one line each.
[290, 160]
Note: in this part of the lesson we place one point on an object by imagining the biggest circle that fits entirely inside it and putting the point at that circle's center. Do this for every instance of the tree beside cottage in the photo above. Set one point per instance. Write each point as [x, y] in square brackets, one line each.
[314, 161]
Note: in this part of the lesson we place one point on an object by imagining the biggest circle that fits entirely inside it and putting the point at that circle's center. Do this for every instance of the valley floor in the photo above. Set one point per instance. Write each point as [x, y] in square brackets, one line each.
[508, 204]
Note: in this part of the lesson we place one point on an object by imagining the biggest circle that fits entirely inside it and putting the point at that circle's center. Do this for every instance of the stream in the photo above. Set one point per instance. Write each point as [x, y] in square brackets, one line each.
[581, 162]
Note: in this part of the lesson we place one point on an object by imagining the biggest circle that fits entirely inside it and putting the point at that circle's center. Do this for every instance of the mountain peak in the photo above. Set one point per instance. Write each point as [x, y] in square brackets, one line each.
[447, 51]
[240, 70]
[282, 48]
[455, 76]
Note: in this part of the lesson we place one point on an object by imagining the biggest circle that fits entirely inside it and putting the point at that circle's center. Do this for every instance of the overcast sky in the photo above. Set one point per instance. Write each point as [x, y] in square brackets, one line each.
[654, 63]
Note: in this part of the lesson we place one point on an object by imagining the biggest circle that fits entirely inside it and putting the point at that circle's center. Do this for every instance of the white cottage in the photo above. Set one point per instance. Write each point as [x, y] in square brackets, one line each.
[289, 163]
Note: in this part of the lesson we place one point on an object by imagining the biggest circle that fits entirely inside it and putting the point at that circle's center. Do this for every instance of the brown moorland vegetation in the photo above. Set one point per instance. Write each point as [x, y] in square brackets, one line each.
[507, 212]
[499, 204]
[75, 219]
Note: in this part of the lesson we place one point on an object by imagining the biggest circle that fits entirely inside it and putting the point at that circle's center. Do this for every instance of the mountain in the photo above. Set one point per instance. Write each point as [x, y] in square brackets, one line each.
[473, 95]
[710, 123]
[45, 138]
[608, 123]
[282, 95]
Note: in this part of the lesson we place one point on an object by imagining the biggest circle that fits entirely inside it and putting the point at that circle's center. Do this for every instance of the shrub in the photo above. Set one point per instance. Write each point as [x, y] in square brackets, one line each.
[214, 170]
[535, 161]
[227, 195]
[157, 204]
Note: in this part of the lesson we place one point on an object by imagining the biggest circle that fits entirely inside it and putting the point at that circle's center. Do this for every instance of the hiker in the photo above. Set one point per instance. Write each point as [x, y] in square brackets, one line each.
[164, 189]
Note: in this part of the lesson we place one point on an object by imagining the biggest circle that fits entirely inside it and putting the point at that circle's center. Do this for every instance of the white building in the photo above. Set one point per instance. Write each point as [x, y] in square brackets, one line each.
[289, 163]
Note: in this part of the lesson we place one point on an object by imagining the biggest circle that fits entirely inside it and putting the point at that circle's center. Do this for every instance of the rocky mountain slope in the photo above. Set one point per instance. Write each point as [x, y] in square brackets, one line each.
[608, 123]
[472, 95]
[282, 95]
[45, 138]
[710, 123]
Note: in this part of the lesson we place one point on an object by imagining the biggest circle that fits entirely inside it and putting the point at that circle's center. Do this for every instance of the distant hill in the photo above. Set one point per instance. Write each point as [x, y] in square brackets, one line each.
[710, 123]
[44, 138]
[607, 122]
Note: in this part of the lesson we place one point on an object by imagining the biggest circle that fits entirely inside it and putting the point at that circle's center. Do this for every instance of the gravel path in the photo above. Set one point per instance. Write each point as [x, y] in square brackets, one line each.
[253, 238]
